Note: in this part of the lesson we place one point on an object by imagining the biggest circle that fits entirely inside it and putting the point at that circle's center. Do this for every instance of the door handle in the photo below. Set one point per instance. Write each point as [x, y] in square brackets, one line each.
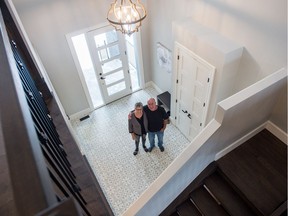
[189, 115]
[184, 111]
[102, 78]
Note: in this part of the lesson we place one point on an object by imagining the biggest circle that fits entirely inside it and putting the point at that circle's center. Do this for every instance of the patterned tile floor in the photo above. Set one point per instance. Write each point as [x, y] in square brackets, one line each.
[108, 146]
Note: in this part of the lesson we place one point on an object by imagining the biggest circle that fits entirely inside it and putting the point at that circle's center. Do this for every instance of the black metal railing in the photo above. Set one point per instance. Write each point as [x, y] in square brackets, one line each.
[33, 147]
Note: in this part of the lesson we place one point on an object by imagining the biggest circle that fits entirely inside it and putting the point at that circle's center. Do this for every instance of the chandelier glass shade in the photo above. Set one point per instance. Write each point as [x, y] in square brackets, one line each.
[126, 15]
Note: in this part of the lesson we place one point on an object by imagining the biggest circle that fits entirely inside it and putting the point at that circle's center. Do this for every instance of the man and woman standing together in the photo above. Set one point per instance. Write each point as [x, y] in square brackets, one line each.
[151, 119]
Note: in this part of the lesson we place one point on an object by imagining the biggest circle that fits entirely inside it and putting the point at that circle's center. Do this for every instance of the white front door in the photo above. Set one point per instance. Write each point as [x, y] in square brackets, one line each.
[194, 83]
[107, 48]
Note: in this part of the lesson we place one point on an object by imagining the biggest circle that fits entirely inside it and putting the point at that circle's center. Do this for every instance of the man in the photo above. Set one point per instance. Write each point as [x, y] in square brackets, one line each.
[157, 121]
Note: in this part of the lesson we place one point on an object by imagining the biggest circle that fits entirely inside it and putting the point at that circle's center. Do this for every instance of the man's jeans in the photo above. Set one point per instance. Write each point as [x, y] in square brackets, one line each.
[151, 136]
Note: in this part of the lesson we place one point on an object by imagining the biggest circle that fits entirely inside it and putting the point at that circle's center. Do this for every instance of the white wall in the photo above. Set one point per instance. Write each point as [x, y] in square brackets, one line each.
[259, 26]
[160, 15]
[46, 23]
[221, 52]
[279, 114]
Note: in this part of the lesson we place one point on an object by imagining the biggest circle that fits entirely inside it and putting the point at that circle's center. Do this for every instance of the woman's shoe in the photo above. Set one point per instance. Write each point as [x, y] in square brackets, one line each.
[145, 149]
[135, 152]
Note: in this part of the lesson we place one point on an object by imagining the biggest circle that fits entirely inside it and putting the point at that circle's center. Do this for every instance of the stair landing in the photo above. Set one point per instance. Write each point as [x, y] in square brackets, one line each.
[250, 180]
[258, 168]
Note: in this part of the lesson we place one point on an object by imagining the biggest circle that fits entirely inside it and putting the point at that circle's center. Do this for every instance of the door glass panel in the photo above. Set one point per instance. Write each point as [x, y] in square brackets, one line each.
[106, 47]
[103, 54]
[105, 38]
[114, 77]
[131, 54]
[108, 52]
[84, 58]
[111, 65]
[116, 88]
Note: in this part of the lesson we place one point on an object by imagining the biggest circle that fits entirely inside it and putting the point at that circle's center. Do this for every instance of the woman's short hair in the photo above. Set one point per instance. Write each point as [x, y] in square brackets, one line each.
[139, 104]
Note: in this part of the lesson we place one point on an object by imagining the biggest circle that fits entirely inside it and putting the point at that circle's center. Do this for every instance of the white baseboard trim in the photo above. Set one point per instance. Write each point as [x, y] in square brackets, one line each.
[239, 142]
[87, 111]
[151, 83]
[80, 114]
[276, 131]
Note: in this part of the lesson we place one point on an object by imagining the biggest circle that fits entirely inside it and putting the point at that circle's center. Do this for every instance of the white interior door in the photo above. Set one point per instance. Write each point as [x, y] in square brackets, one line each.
[107, 48]
[194, 83]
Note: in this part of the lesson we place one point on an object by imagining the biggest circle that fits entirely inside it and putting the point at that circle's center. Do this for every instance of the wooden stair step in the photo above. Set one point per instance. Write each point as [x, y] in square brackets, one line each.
[252, 171]
[174, 214]
[227, 196]
[272, 151]
[284, 213]
[188, 209]
[206, 203]
[253, 184]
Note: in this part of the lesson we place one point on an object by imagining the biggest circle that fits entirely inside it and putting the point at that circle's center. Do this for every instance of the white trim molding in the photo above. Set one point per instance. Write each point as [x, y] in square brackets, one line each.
[276, 131]
[239, 142]
[81, 114]
[151, 83]
[280, 134]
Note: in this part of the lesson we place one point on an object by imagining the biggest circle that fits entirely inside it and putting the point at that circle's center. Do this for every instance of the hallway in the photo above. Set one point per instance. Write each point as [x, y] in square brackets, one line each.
[105, 141]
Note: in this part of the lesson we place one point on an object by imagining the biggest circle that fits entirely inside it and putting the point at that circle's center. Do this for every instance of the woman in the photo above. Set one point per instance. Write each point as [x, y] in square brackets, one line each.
[138, 126]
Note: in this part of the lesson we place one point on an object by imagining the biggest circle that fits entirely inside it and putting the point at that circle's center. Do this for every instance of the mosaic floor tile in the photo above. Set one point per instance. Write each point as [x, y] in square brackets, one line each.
[105, 141]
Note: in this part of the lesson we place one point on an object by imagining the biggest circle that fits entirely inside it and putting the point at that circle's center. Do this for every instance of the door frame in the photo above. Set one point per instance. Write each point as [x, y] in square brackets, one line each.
[139, 60]
[121, 42]
[175, 75]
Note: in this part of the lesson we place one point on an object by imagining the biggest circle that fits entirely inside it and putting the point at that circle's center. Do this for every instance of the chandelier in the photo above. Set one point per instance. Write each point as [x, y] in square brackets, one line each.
[126, 16]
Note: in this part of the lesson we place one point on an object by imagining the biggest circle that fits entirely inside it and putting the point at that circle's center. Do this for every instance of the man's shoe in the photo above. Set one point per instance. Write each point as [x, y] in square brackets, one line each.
[135, 152]
[161, 148]
[150, 149]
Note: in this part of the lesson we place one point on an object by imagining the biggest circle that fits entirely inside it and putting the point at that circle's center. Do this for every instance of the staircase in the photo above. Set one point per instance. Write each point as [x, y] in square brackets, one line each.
[250, 180]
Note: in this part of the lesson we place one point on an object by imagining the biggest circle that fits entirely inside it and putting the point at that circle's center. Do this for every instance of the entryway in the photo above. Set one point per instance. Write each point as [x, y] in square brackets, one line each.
[105, 141]
[108, 64]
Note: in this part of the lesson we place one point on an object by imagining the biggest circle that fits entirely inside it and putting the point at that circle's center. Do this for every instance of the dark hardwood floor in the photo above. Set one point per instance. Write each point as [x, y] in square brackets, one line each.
[258, 168]
[90, 189]
[250, 180]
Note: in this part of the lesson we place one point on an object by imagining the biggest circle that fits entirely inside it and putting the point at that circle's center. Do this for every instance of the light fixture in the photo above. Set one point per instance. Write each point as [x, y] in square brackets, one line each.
[126, 16]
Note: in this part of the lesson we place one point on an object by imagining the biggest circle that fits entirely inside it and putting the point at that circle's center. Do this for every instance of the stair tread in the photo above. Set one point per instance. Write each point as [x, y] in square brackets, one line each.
[188, 209]
[206, 203]
[255, 171]
[228, 197]
[275, 151]
[174, 214]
